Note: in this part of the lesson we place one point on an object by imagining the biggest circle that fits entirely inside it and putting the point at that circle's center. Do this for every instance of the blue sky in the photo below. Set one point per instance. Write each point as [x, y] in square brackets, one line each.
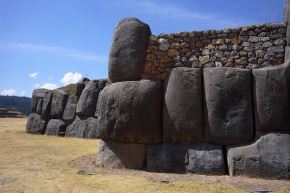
[49, 43]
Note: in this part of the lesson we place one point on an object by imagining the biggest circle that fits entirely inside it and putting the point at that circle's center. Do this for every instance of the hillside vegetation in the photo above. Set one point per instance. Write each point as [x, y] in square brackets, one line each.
[22, 104]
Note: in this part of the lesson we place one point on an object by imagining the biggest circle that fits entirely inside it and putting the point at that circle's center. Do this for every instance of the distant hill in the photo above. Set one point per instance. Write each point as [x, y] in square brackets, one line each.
[22, 104]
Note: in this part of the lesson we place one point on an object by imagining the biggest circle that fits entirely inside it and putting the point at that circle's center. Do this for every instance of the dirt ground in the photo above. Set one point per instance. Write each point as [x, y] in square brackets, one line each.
[40, 164]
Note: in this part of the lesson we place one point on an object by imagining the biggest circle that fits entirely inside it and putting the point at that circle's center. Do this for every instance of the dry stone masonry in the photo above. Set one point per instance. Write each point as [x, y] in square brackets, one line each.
[212, 102]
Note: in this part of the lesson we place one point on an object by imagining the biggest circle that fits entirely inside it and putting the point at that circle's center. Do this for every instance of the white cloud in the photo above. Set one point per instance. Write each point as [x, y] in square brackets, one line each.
[33, 75]
[38, 48]
[49, 86]
[36, 85]
[8, 92]
[22, 93]
[71, 78]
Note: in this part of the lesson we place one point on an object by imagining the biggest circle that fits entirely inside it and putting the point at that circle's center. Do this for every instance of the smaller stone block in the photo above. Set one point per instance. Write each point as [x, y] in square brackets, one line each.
[82, 128]
[121, 155]
[35, 124]
[55, 127]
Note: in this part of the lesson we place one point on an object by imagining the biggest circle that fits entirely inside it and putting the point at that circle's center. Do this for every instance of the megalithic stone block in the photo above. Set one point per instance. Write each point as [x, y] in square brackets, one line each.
[272, 98]
[35, 124]
[198, 158]
[80, 86]
[55, 127]
[58, 102]
[82, 128]
[128, 50]
[41, 101]
[70, 109]
[121, 155]
[268, 157]
[287, 12]
[182, 106]
[86, 105]
[130, 112]
[228, 106]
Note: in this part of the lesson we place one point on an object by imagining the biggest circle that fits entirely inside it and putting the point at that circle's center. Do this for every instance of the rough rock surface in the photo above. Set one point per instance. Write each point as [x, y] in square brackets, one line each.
[182, 158]
[41, 102]
[70, 109]
[228, 106]
[268, 157]
[182, 106]
[35, 124]
[130, 112]
[58, 102]
[272, 98]
[121, 155]
[86, 105]
[80, 86]
[55, 127]
[85, 128]
[128, 50]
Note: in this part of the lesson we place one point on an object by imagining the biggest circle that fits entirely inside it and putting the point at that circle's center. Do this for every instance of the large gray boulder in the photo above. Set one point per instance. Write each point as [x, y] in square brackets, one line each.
[82, 128]
[268, 157]
[182, 106]
[186, 158]
[55, 127]
[128, 50]
[58, 102]
[272, 98]
[121, 155]
[41, 102]
[35, 124]
[70, 109]
[228, 110]
[80, 86]
[130, 112]
[86, 105]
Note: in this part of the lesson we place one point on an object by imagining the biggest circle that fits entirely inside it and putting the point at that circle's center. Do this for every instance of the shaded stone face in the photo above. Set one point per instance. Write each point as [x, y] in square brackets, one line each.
[228, 106]
[86, 105]
[41, 102]
[268, 157]
[55, 127]
[186, 158]
[272, 102]
[130, 112]
[59, 99]
[35, 124]
[128, 50]
[121, 155]
[82, 128]
[70, 109]
[182, 106]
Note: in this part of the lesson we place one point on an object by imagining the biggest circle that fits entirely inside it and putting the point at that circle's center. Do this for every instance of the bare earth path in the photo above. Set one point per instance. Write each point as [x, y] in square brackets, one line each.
[31, 163]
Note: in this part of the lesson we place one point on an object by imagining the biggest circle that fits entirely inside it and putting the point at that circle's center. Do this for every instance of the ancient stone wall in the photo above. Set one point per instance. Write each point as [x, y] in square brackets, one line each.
[219, 103]
[248, 47]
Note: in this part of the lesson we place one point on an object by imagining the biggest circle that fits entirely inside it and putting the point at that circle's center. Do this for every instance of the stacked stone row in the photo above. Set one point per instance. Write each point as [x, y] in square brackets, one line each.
[191, 121]
[56, 113]
[248, 47]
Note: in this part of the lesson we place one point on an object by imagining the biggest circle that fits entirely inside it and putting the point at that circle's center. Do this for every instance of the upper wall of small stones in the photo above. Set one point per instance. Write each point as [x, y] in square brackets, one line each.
[245, 47]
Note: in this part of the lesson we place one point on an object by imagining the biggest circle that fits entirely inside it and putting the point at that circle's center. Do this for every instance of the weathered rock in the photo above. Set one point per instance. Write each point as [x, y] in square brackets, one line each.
[186, 158]
[41, 101]
[85, 128]
[128, 50]
[228, 106]
[35, 124]
[55, 127]
[268, 157]
[80, 86]
[58, 102]
[70, 109]
[86, 105]
[130, 111]
[272, 102]
[121, 155]
[182, 106]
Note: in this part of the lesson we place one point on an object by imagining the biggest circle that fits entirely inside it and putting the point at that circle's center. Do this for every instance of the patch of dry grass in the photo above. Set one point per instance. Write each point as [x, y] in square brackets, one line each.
[40, 164]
